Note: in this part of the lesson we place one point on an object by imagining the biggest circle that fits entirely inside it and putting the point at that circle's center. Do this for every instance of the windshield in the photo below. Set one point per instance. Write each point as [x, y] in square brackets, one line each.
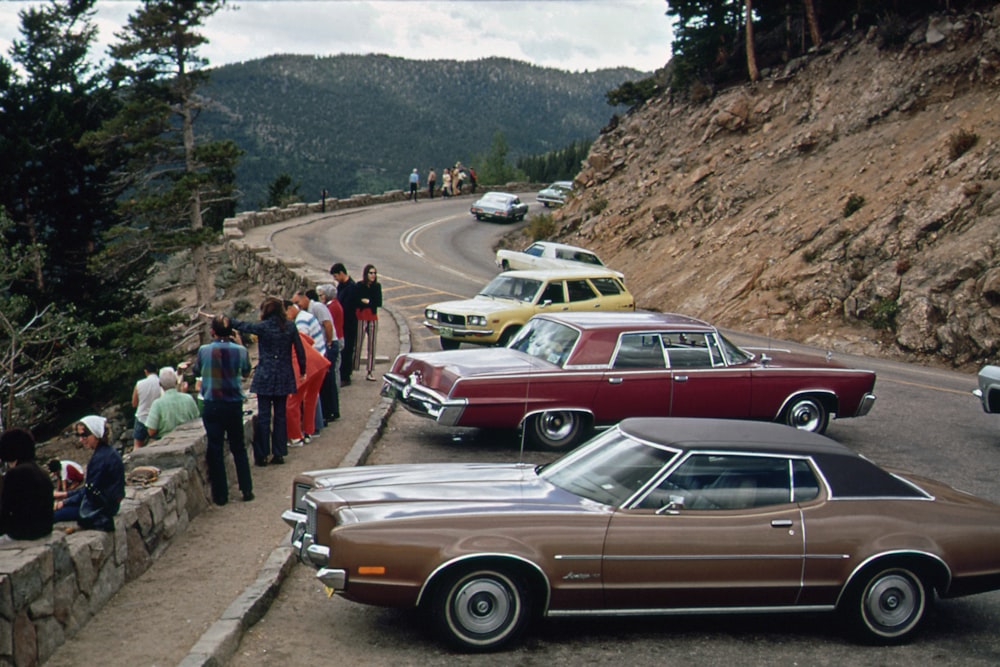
[610, 469]
[547, 340]
[508, 287]
[496, 200]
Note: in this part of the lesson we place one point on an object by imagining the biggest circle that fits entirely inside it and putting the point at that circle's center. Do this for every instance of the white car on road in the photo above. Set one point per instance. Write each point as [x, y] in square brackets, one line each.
[547, 255]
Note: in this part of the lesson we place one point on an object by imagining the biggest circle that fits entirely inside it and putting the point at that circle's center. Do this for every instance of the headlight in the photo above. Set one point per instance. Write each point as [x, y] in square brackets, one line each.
[430, 314]
[477, 320]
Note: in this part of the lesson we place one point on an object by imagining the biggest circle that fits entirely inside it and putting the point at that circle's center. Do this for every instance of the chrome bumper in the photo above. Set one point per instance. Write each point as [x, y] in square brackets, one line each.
[304, 544]
[446, 331]
[867, 401]
[422, 401]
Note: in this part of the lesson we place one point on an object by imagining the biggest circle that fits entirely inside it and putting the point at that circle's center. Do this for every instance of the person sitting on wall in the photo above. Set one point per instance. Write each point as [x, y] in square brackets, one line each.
[26, 499]
[66, 475]
[96, 503]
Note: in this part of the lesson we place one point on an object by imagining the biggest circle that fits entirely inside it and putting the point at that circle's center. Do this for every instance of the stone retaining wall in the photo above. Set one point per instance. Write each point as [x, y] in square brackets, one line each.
[50, 588]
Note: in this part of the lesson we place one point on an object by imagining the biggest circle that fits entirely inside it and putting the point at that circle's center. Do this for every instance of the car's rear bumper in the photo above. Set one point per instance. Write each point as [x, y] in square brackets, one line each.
[422, 401]
[865, 406]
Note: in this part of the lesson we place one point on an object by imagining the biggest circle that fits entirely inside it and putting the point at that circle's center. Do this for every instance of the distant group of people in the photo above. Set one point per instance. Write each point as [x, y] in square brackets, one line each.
[453, 181]
[308, 347]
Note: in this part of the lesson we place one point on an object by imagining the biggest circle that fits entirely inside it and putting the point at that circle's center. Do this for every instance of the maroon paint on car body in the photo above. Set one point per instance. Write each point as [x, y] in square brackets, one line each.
[564, 374]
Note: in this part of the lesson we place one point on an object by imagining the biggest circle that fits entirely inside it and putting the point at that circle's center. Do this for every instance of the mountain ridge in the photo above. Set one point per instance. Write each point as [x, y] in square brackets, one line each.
[359, 123]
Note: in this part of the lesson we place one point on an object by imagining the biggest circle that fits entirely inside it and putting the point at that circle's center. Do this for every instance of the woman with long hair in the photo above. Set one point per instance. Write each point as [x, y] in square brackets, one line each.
[369, 298]
[274, 377]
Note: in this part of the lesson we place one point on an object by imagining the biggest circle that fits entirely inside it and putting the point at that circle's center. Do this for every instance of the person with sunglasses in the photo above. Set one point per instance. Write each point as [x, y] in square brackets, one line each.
[95, 504]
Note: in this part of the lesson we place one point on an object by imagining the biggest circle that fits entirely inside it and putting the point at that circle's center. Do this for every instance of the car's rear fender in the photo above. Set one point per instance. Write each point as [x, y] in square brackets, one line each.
[934, 571]
[527, 569]
[828, 397]
[586, 412]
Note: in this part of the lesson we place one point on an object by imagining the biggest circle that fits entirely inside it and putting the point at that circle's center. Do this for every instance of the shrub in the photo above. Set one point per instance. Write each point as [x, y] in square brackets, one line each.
[597, 205]
[883, 314]
[960, 142]
[541, 226]
[853, 204]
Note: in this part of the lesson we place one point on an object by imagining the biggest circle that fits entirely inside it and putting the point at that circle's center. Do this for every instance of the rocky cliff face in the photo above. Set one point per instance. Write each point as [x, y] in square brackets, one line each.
[851, 200]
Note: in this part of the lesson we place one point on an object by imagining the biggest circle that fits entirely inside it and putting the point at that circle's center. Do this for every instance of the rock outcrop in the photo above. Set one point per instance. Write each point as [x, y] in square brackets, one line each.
[851, 200]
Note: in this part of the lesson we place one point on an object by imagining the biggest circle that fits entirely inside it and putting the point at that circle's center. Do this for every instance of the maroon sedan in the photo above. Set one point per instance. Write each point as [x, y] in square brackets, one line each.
[564, 374]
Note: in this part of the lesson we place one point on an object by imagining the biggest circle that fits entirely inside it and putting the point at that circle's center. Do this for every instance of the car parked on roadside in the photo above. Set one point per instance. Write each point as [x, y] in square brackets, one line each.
[988, 391]
[556, 194]
[566, 373]
[547, 255]
[654, 516]
[501, 206]
[501, 308]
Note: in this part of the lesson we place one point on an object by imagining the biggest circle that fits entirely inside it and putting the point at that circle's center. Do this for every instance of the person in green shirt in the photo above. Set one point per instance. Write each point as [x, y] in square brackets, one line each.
[171, 409]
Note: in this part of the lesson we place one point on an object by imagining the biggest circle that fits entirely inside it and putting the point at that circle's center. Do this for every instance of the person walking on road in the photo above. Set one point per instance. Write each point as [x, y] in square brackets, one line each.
[221, 365]
[274, 378]
[431, 182]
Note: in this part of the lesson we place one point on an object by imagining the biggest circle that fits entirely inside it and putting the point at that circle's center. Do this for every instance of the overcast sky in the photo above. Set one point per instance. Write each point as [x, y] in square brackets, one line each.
[573, 35]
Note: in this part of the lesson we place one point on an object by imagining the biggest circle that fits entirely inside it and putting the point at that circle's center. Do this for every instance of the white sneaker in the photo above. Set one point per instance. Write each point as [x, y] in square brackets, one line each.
[296, 443]
[306, 439]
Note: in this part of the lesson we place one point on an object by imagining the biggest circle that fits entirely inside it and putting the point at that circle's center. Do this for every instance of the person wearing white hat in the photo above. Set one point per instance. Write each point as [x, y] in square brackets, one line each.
[95, 504]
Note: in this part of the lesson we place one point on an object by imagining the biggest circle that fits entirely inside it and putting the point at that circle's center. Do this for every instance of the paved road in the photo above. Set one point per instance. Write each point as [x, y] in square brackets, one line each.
[925, 420]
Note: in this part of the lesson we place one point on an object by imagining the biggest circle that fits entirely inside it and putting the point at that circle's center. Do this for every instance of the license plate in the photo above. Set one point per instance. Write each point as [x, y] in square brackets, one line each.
[447, 332]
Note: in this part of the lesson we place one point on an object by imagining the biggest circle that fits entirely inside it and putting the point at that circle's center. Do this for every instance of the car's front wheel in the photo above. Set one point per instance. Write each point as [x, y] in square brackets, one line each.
[887, 605]
[480, 609]
[449, 344]
[556, 431]
[807, 413]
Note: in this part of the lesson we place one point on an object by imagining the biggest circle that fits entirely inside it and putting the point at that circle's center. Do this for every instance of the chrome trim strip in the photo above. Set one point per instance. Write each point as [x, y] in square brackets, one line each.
[689, 611]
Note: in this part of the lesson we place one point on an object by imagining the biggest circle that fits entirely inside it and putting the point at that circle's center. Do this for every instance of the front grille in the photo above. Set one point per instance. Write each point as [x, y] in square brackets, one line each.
[454, 320]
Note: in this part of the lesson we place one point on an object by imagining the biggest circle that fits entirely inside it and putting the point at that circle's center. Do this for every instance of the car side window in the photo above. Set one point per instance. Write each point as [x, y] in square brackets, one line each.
[535, 250]
[580, 290]
[804, 481]
[689, 350]
[724, 482]
[640, 351]
[607, 286]
[554, 293]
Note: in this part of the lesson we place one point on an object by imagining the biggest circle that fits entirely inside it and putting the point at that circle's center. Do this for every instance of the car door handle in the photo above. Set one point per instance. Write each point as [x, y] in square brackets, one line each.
[615, 380]
[781, 523]
[680, 378]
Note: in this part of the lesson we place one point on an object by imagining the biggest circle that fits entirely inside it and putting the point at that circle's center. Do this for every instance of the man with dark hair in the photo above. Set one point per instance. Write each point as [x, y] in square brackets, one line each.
[347, 296]
[26, 502]
[221, 364]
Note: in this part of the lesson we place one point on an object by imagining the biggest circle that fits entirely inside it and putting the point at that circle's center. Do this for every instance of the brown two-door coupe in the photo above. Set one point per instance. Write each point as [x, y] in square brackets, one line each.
[566, 373]
[654, 516]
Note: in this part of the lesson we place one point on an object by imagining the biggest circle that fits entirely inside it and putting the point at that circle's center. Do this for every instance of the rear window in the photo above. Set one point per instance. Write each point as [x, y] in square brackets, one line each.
[607, 286]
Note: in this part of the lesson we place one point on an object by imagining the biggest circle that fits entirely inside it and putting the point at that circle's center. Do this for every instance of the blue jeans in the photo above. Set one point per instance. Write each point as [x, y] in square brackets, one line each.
[270, 437]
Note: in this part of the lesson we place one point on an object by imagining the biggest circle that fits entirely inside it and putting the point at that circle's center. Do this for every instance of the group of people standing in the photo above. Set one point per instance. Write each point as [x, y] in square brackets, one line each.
[453, 181]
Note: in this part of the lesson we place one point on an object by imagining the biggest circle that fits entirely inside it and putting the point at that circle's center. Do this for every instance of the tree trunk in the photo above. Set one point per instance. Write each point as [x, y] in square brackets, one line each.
[199, 255]
[751, 53]
[811, 21]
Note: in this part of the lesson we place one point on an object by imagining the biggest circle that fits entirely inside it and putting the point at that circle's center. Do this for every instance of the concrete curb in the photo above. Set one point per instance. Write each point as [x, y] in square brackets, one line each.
[219, 643]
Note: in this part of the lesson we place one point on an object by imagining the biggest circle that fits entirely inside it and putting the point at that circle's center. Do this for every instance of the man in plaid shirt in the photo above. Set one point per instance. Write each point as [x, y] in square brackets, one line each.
[221, 365]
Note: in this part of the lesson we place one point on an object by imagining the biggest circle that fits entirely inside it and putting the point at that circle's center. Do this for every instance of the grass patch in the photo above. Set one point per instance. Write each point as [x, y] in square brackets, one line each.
[960, 142]
[853, 205]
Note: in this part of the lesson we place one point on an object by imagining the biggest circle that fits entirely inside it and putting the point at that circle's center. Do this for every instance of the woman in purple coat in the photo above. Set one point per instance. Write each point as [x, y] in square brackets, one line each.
[274, 377]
